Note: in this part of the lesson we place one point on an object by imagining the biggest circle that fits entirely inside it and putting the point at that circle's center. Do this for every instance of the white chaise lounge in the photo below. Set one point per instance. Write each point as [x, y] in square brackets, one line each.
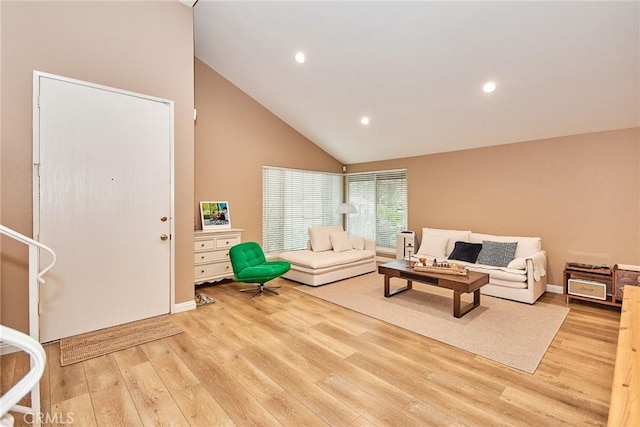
[331, 255]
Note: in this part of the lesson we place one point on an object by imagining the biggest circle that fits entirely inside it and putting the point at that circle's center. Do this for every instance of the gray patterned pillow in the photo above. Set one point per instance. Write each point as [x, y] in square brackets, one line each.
[497, 254]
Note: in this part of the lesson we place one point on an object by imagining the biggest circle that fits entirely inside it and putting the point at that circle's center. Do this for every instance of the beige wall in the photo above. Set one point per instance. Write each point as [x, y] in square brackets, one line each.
[144, 47]
[580, 194]
[235, 137]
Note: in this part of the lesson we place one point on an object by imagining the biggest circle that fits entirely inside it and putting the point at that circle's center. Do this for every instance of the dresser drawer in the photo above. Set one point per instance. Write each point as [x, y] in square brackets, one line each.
[227, 242]
[217, 269]
[211, 254]
[204, 257]
[203, 245]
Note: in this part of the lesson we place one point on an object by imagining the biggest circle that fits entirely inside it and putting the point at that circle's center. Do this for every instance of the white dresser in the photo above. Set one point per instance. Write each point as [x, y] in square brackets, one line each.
[211, 254]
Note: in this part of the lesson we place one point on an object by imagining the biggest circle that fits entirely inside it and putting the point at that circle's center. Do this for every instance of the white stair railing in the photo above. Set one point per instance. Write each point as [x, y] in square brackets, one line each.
[28, 343]
[9, 400]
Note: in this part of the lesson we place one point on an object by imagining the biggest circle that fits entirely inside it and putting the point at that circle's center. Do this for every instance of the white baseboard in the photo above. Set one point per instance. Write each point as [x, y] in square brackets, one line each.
[384, 259]
[183, 306]
[555, 289]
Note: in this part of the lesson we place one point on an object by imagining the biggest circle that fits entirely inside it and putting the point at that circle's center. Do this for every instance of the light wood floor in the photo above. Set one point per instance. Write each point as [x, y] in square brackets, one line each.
[296, 360]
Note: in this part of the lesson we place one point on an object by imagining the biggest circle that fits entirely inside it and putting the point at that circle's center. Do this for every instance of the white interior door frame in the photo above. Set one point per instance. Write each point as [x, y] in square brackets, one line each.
[37, 75]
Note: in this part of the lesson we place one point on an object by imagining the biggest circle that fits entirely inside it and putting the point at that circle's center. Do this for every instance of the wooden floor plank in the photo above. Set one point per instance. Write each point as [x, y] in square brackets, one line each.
[22, 368]
[153, 401]
[290, 411]
[45, 384]
[429, 415]
[292, 359]
[237, 402]
[415, 384]
[77, 410]
[195, 402]
[65, 383]
[324, 405]
[112, 402]
[368, 406]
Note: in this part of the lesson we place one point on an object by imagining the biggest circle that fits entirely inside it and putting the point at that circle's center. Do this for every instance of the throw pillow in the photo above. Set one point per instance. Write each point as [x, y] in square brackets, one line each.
[433, 246]
[463, 251]
[319, 237]
[357, 242]
[497, 254]
[340, 241]
[453, 236]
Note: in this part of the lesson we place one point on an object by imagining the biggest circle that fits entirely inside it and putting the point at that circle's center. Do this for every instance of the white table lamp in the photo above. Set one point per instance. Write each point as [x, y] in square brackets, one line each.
[347, 208]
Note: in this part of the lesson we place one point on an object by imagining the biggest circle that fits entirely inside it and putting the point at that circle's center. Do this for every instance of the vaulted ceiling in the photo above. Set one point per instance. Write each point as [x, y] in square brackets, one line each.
[416, 70]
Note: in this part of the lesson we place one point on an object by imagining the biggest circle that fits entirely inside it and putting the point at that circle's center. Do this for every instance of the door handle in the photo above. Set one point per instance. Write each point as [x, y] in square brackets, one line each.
[163, 218]
[163, 237]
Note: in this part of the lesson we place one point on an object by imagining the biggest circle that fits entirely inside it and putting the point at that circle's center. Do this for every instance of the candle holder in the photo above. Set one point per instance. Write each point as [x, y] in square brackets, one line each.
[408, 250]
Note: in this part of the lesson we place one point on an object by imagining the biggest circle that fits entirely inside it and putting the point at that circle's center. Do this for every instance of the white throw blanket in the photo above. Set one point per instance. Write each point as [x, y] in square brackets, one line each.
[539, 261]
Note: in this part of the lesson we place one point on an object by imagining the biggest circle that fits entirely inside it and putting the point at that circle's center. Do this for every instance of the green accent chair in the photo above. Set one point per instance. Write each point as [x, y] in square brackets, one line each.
[251, 266]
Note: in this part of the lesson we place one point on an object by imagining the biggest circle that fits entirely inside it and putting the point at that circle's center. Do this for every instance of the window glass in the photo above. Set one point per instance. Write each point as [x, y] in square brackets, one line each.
[294, 200]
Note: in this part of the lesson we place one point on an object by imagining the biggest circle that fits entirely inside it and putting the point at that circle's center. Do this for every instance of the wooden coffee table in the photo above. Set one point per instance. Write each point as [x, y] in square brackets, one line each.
[458, 284]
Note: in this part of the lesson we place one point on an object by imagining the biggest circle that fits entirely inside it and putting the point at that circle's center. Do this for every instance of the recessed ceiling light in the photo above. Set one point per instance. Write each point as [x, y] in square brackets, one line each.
[300, 58]
[489, 87]
[364, 120]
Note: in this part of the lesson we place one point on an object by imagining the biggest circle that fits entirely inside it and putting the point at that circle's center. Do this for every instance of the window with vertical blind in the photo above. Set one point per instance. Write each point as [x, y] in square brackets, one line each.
[294, 200]
[381, 201]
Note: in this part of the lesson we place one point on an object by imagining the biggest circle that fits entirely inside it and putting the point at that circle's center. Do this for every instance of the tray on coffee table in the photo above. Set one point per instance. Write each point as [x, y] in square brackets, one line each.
[442, 268]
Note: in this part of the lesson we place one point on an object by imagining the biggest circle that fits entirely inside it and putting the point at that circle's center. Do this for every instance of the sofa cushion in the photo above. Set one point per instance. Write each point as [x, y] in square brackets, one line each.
[319, 237]
[508, 283]
[518, 263]
[325, 259]
[503, 273]
[463, 251]
[433, 245]
[453, 236]
[527, 246]
[261, 272]
[340, 241]
[498, 254]
[357, 242]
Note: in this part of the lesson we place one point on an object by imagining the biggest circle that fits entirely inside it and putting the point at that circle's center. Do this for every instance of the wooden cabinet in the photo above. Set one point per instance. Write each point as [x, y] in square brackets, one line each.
[624, 275]
[211, 254]
[599, 275]
[623, 407]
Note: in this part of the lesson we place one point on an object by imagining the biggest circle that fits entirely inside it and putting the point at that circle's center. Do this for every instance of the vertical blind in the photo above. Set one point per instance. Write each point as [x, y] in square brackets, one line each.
[294, 200]
[381, 201]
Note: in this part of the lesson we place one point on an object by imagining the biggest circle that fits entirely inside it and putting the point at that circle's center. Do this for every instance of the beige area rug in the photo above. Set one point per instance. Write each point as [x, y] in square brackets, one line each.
[93, 344]
[508, 332]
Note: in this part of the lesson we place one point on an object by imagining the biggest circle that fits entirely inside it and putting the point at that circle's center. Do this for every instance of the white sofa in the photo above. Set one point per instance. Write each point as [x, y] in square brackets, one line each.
[522, 279]
[331, 255]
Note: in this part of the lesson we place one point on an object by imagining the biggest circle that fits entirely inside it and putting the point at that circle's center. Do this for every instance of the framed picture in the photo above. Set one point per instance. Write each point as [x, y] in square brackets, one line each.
[214, 215]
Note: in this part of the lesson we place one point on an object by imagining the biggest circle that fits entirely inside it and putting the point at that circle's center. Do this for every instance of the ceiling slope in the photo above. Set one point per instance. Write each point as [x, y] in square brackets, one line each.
[416, 69]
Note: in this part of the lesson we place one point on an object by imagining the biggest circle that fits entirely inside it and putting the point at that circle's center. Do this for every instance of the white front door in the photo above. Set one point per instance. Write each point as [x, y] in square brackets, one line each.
[105, 204]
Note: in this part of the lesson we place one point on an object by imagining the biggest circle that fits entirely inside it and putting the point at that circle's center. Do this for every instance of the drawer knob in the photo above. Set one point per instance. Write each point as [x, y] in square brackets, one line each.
[227, 242]
[202, 257]
[201, 271]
